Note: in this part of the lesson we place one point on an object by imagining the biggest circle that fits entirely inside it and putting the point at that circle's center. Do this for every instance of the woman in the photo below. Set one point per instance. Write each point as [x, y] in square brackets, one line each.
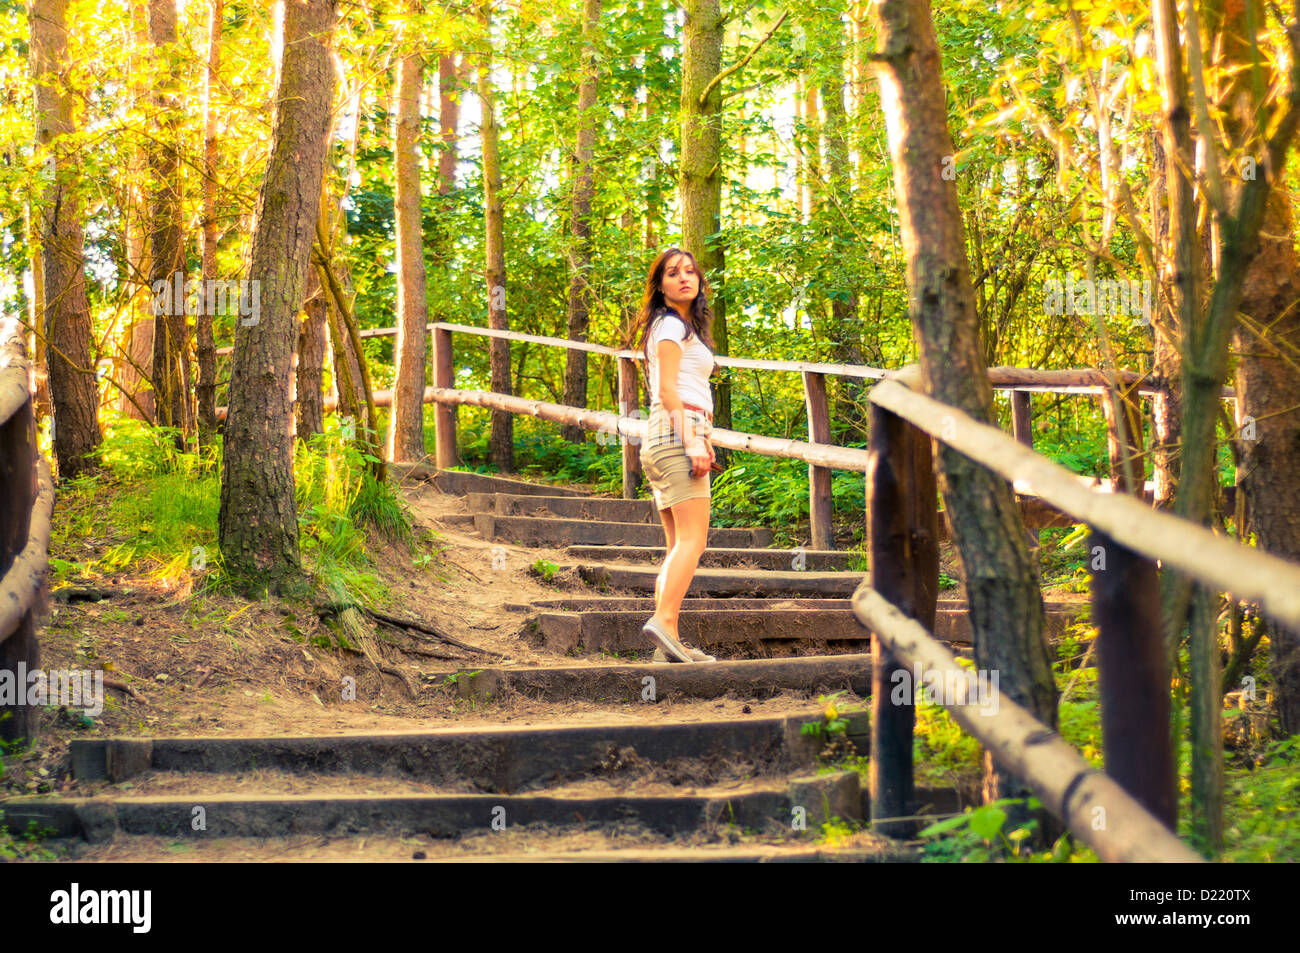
[675, 326]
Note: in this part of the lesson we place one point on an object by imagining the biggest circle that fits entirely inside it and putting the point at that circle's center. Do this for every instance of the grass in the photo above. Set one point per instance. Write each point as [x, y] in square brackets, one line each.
[157, 508]
[1262, 807]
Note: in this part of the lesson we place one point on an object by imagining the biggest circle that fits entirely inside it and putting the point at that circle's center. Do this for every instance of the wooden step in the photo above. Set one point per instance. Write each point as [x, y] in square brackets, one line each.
[759, 805]
[627, 684]
[793, 559]
[543, 531]
[728, 582]
[506, 759]
[460, 482]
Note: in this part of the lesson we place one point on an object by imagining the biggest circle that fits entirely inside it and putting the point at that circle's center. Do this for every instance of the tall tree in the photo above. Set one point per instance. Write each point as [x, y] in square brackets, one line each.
[406, 421]
[1267, 334]
[309, 397]
[450, 83]
[1239, 212]
[206, 390]
[502, 440]
[700, 180]
[134, 356]
[1006, 606]
[699, 189]
[171, 330]
[258, 521]
[65, 309]
[584, 190]
[837, 216]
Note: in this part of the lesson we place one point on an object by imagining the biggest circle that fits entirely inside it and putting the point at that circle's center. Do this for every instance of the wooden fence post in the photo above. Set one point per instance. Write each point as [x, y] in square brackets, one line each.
[18, 455]
[444, 415]
[1134, 676]
[903, 532]
[1022, 428]
[1125, 408]
[819, 478]
[1022, 417]
[629, 402]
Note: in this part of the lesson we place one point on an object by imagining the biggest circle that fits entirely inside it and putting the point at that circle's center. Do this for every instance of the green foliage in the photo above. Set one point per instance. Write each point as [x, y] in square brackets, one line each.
[978, 835]
[162, 513]
[1262, 807]
[830, 722]
[942, 752]
[454, 678]
[25, 846]
[545, 569]
[836, 831]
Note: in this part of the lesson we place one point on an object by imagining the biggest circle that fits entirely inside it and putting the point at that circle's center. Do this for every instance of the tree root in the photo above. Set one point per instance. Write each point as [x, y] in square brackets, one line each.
[419, 627]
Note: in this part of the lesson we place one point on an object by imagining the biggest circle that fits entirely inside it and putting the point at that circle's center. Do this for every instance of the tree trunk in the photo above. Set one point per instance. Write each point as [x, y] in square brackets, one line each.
[584, 191]
[171, 331]
[258, 522]
[206, 392]
[450, 85]
[73, 391]
[309, 405]
[36, 317]
[837, 214]
[406, 419]
[133, 359]
[700, 185]
[501, 444]
[1167, 406]
[1267, 338]
[1006, 606]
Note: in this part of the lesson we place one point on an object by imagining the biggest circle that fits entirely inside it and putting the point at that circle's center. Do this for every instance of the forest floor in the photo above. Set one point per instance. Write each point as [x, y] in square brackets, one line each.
[211, 663]
[195, 661]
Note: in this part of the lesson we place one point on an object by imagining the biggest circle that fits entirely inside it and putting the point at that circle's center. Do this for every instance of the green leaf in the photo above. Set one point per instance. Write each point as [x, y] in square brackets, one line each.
[942, 827]
[987, 821]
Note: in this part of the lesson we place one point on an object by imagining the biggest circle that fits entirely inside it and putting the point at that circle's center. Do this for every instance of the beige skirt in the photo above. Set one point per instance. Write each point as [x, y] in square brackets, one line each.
[665, 463]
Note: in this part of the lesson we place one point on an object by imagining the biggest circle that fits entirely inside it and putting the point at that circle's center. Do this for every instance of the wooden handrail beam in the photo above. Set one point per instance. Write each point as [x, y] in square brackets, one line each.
[1245, 572]
[1067, 381]
[1061, 778]
[22, 582]
[15, 370]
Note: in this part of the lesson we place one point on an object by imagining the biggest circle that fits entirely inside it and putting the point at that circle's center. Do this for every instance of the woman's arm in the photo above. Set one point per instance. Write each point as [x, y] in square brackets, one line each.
[669, 354]
[670, 363]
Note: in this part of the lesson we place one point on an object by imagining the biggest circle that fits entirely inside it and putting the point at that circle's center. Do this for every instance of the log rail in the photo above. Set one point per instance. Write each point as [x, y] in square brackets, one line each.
[26, 505]
[1128, 813]
[1135, 796]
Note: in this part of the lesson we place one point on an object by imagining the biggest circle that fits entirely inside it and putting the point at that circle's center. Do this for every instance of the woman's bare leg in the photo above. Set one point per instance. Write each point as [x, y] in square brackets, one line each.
[691, 520]
[670, 540]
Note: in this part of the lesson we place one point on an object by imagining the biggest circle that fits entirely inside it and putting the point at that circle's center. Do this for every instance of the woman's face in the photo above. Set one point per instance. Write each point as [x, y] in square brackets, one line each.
[681, 283]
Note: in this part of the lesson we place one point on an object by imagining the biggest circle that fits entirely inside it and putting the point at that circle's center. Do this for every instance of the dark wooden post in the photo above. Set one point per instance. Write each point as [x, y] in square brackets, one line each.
[444, 416]
[819, 478]
[1022, 428]
[903, 532]
[1022, 417]
[17, 497]
[1124, 407]
[629, 402]
[1134, 676]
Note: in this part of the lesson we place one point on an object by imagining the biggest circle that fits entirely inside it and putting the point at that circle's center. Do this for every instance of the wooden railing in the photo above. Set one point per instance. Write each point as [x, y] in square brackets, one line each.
[26, 504]
[903, 532]
[897, 605]
[628, 428]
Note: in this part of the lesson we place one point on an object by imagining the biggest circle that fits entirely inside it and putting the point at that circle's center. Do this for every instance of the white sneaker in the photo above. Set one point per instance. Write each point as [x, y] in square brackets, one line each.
[673, 650]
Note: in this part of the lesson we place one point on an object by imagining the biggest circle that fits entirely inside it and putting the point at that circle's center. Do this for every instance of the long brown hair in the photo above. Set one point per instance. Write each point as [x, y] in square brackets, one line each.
[700, 319]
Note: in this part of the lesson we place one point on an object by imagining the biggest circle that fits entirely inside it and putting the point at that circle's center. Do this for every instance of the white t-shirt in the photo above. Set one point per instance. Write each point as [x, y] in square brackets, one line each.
[696, 366]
